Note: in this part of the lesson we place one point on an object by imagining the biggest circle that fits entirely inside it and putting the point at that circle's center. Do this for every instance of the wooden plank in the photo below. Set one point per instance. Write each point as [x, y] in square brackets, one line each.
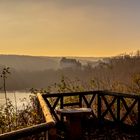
[99, 106]
[118, 109]
[45, 109]
[109, 108]
[126, 95]
[91, 101]
[68, 94]
[139, 113]
[86, 102]
[56, 102]
[48, 117]
[125, 104]
[80, 101]
[51, 109]
[28, 131]
[61, 102]
[129, 110]
[102, 92]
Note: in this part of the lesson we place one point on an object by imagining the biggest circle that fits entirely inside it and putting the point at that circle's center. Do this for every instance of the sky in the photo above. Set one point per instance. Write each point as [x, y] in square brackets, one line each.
[69, 27]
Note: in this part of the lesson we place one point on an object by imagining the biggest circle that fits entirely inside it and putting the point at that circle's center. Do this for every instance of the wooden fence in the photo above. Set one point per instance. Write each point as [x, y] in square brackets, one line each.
[120, 108]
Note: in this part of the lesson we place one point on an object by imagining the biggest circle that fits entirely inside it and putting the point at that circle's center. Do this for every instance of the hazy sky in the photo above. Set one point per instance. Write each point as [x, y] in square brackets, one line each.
[69, 27]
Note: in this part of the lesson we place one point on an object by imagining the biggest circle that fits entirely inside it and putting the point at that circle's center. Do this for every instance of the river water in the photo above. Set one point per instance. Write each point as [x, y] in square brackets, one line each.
[20, 97]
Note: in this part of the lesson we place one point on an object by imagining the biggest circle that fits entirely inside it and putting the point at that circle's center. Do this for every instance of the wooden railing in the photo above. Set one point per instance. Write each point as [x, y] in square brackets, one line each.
[34, 132]
[119, 108]
[26, 132]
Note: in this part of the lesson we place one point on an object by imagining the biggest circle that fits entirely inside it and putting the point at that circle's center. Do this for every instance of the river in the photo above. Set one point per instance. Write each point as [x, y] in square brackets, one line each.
[20, 97]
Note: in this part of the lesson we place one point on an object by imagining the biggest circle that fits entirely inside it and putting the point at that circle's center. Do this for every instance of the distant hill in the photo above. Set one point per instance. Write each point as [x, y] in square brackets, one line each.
[40, 72]
[29, 63]
[37, 63]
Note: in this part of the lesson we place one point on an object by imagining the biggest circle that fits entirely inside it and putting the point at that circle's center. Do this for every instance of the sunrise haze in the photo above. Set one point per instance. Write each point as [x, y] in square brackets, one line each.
[69, 27]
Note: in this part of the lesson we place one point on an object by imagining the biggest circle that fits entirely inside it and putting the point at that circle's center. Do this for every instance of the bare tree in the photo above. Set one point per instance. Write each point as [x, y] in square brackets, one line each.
[3, 75]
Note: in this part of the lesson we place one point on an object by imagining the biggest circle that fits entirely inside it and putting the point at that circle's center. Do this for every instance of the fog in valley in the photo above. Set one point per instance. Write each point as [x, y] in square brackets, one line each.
[97, 73]
[39, 72]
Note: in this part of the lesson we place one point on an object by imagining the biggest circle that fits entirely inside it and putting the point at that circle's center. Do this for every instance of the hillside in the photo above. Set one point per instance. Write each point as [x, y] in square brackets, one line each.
[29, 63]
[40, 72]
[36, 63]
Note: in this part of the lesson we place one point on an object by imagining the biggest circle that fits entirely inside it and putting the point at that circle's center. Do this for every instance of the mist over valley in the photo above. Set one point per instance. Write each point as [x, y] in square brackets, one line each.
[40, 71]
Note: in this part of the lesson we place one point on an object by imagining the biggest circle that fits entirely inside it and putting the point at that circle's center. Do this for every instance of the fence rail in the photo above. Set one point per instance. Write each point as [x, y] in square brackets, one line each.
[25, 132]
[48, 128]
[115, 107]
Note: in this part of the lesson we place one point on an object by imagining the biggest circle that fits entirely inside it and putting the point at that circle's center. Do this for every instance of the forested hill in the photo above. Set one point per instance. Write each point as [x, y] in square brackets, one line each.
[29, 63]
[36, 63]
[37, 72]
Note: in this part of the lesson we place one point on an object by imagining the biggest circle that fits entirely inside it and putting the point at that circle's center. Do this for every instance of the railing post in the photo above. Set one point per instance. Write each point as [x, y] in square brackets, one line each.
[118, 110]
[139, 112]
[99, 106]
[61, 102]
[80, 100]
[62, 106]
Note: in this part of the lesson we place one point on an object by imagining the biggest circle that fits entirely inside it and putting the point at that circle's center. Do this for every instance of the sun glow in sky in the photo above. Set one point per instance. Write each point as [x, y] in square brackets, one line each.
[69, 27]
